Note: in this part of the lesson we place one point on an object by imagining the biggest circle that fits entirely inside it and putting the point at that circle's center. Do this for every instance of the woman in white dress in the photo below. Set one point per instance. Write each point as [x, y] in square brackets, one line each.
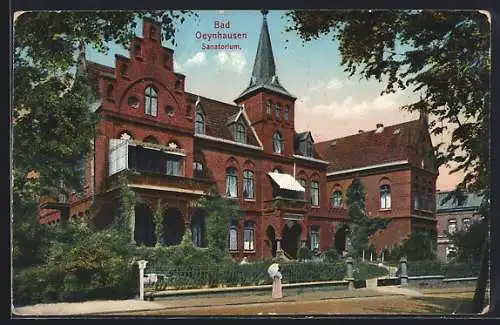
[275, 274]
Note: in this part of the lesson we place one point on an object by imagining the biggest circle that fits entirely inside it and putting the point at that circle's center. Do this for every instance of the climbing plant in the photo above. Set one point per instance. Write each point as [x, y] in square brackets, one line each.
[158, 220]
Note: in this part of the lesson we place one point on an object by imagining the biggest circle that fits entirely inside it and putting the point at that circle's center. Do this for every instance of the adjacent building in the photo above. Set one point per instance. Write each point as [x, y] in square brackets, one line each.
[291, 190]
[454, 215]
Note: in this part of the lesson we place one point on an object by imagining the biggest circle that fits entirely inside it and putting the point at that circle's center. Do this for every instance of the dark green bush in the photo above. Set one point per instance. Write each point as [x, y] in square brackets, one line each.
[364, 271]
[449, 270]
[331, 255]
[304, 253]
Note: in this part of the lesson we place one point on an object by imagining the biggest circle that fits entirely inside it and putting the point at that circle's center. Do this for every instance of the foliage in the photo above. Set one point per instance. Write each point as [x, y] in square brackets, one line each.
[218, 213]
[127, 200]
[469, 243]
[416, 247]
[448, 270]
[81, 264]
[361, 226]
[304, 253]
[158, 221]
[331, 255]
[444, 55]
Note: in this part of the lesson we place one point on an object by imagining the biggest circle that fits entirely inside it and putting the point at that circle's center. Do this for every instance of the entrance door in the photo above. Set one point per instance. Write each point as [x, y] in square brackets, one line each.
[291, 239]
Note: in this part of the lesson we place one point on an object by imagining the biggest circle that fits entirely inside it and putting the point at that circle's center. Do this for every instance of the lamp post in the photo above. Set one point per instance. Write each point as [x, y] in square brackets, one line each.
[142, 266]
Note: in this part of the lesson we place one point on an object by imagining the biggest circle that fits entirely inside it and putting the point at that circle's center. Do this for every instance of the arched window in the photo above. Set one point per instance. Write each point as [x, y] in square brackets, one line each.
[150, 101]
[231, 182]
[277, 143]
[303, 183]
[233, 235]
[385, 196]
[248, 236]
[248, 186]
[336, 199]
[314, 193]
[199, 126]
[241, 133]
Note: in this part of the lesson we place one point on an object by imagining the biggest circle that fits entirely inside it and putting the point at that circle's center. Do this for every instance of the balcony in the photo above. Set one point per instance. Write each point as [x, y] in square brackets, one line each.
[159, 181]
[286, 203]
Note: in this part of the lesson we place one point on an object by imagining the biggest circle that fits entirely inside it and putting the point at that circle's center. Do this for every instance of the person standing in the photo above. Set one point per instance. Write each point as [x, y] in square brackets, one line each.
[275, 274]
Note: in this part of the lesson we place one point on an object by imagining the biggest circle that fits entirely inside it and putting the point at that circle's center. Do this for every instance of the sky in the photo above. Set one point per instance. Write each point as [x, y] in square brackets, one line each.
[329, 103]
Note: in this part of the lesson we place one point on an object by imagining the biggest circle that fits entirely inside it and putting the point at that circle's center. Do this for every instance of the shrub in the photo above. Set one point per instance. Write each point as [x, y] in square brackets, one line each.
[304, 253]
[364, 271]
[331, 255]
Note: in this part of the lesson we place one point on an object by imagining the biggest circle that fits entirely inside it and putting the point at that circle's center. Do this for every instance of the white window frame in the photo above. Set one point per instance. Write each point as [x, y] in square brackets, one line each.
[385, 196]
[337, 199]
[249, 236]
[151, 101]
[248, 185]
[315, 238]
[278, 143]
[231, 182]
[314, 193]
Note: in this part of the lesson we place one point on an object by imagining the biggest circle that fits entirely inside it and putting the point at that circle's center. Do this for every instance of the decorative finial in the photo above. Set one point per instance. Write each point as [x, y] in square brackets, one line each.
[264, 12]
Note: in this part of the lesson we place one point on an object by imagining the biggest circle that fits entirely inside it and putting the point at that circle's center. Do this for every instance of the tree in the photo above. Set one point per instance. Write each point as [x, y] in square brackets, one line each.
[444, 55]
[469, 243]
[361, 226]
[218, 211]
[52, 124]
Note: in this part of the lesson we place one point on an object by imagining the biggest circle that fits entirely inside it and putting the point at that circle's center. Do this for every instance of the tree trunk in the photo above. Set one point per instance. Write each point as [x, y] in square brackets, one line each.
[482, 280]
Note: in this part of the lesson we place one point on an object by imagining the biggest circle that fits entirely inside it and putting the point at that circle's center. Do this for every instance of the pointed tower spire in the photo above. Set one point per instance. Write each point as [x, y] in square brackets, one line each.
[264, 69]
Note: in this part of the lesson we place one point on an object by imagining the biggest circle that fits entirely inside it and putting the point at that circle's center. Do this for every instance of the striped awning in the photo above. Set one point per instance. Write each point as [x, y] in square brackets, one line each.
[286, 182]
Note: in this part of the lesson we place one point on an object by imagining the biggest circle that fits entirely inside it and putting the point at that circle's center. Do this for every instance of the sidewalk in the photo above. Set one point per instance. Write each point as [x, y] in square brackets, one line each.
[125, 306]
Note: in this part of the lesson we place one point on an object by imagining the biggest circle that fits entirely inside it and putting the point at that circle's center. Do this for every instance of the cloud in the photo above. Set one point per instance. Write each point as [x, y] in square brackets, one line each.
[198, 58]
[333, 84]
[348, 107]
[234, 61]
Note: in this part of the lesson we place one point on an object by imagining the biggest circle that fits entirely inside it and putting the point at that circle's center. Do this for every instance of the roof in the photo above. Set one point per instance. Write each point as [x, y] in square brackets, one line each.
[264, 69]
[286, 182]
[371, 147]
[217, 115]
[471, 201]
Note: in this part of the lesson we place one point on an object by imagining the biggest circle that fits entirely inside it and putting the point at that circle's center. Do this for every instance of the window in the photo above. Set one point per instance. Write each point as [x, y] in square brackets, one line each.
[466, 224]
[315, 238]
[248, 192]
[248, 236]
[109, 91]
[314, 193]
[233, 236]
[231, 182]
[277, 108]
[151, 101]
[173, 167]
[452, 226]
[337, 199]
[303, 183]
[199, 126]
[309, 148]
[286, 112]
[450, 250]
[169, 110]
[125, 136]
[133, 102]
[416, 200]
[277, 143]
[198, 169]
[268, 107]
[385, 196]
[240, 133]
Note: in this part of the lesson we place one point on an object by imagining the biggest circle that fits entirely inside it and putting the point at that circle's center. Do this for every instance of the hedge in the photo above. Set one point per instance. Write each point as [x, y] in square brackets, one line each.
[448, 270]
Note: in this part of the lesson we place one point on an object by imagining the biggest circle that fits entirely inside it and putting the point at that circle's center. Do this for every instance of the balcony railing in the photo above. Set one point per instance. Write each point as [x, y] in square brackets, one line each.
[281, 203]
[159, 180]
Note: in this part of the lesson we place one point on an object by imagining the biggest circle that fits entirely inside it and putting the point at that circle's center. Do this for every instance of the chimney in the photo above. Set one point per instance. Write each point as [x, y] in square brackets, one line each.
[360, 131]
[380, 125]
[380, 128]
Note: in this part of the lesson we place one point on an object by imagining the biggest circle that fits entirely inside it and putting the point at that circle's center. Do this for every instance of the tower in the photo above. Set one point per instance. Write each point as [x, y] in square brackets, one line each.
[269, 106]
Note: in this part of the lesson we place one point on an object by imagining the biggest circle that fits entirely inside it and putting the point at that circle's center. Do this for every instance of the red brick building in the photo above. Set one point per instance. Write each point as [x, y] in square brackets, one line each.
[179, 144]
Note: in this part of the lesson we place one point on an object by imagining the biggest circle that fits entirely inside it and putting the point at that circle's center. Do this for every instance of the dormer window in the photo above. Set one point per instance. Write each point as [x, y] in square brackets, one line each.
[309, 148]
[199, 125]
[151, 101]
[241, 134]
